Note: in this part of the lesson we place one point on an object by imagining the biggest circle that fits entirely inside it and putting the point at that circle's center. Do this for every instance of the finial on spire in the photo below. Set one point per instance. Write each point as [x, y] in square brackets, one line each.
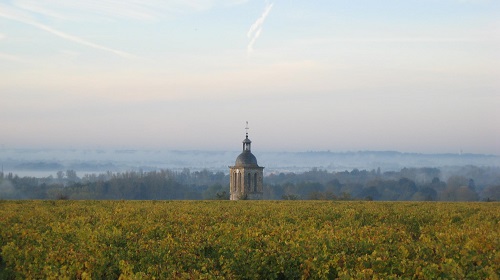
[247, 128]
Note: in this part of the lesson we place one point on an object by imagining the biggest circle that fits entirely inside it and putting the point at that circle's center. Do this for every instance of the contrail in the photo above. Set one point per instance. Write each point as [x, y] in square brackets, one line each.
[256, 28]
[65, 35]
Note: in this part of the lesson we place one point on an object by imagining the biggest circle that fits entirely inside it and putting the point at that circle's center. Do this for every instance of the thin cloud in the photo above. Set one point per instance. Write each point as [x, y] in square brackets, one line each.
[37, 7]
[408, 40]
[69, 37]
[145, 10]
[9, 57]
[364, 40]
[256, 28]
[82, 10]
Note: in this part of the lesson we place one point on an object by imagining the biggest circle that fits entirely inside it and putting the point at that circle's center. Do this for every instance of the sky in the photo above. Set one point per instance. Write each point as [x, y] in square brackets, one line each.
[341, 75]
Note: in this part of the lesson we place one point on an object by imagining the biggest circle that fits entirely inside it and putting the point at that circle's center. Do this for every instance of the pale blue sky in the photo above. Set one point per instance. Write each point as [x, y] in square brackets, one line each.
[412, 76]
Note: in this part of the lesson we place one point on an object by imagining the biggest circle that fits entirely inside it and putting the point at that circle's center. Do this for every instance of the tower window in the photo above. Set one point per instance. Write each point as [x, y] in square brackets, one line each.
[235, 177]
[249, 182]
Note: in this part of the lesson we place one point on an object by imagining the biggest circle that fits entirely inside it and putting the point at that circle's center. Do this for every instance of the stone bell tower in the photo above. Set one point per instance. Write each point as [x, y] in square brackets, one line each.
[246, 176]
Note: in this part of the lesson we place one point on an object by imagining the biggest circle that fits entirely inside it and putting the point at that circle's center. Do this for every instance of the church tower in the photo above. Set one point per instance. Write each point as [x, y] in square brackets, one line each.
[246, 176]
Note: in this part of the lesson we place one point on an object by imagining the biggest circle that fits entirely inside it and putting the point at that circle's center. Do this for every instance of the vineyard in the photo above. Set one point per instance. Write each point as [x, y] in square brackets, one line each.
[248, 240]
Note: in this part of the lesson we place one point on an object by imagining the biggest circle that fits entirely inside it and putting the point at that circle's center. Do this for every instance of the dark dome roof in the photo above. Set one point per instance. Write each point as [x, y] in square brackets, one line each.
[246, 159]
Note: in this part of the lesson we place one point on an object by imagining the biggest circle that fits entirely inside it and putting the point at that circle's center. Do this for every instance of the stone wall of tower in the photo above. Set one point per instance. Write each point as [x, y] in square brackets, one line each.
[246, 183]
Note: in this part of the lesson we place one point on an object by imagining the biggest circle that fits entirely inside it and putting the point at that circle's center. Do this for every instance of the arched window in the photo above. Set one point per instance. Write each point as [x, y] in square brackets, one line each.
[240, 182]
[249, 184]
[255, 182]
[234, 181]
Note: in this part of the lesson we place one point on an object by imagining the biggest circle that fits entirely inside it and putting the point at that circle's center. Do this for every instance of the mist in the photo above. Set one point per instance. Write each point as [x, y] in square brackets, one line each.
[46, 162]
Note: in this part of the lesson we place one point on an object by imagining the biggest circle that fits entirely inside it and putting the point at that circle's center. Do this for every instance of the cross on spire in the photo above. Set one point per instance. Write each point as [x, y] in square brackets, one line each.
[247, 128]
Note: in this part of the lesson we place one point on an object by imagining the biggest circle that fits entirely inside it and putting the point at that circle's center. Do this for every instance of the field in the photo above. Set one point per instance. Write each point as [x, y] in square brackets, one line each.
[248, 240]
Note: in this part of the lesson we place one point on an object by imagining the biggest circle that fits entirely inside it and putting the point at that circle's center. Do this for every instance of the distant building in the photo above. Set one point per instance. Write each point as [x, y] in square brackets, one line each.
[246, 175]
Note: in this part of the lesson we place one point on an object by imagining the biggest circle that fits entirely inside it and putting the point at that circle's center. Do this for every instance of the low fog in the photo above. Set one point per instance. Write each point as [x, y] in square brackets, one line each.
[46, 162]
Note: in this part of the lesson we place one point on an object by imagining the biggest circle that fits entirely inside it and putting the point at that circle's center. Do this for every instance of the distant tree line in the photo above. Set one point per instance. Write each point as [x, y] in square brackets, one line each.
[160, 185]
[468, 183]
[415, 184]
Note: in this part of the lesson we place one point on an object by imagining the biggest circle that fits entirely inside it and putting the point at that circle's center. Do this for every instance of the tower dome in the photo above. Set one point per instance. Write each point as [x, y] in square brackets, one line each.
[246, 159]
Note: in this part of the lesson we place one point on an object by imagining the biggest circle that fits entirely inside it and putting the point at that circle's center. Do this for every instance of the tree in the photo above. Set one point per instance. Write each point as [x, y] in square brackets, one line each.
[71, 176]
[223, 195]
[427, 194]
[406, 188]
[457, 181]
[60, 175]
[216, 191]
[464, 193]
[290, 197]
[370, 193]
[491, 193]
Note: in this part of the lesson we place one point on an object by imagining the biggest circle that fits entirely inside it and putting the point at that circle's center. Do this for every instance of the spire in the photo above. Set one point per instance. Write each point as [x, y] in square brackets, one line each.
[246, 142]
[247, 128]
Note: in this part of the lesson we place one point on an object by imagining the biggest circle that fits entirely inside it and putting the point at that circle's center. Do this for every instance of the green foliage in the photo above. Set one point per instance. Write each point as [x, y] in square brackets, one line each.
[217, 191]
[248, 240]
[290, 197]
